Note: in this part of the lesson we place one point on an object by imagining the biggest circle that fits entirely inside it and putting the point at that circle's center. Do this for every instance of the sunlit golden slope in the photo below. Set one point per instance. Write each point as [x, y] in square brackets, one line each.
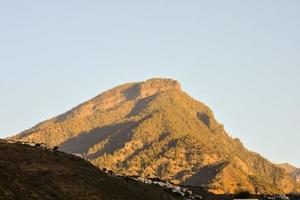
[153, 128]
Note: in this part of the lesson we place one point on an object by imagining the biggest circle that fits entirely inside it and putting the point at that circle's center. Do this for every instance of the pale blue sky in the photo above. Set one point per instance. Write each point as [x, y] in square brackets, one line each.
[242, 58]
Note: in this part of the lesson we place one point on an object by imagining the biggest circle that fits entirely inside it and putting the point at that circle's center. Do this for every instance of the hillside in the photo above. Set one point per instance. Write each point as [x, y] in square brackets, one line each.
[155, 129]
[31, 173]
[291, 170]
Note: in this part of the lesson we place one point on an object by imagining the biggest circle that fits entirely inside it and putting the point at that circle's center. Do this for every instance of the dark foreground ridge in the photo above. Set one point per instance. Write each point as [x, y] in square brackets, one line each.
[28, 172]
[33, 171]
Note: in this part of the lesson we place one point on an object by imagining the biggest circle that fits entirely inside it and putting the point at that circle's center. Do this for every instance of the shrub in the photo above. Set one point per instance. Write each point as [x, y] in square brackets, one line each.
[242, 194]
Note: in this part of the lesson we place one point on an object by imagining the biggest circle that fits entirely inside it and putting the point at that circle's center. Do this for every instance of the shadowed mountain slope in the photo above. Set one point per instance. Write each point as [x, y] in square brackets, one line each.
[153, 128]
[31, 173]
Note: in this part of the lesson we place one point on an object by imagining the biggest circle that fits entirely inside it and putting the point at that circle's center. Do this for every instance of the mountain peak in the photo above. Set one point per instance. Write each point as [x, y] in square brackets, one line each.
[130, 91]
[154, 85]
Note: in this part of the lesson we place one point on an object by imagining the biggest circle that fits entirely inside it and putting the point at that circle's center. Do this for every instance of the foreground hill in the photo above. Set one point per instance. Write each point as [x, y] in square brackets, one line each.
[31, 173]
[155, 129]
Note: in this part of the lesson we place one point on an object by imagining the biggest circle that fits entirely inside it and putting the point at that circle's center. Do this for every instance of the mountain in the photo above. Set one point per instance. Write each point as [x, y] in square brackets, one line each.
[33, 173]
[154, 129]
[291, 170]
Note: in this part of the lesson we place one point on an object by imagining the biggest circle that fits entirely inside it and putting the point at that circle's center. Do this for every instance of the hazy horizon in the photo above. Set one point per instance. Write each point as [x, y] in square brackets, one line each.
[239, 58]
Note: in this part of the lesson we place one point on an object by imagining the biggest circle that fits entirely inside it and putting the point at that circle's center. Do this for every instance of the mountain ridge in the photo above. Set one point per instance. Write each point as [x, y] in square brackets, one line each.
[153, 128]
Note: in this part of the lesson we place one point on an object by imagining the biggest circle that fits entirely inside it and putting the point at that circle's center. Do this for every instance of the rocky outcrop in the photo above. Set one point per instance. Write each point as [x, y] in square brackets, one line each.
[153, 86]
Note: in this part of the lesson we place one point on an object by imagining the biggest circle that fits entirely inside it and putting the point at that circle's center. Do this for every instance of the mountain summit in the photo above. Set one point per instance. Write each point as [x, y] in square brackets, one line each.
[155, 129]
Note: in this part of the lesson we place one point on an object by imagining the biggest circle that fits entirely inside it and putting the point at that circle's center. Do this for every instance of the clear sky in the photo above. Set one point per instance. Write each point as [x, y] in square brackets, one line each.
[242, 58]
